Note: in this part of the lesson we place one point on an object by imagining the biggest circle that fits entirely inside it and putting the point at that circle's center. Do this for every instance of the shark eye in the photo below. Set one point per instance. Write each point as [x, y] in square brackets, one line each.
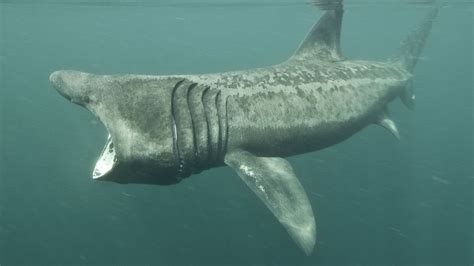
[86, 99]
[83, 100]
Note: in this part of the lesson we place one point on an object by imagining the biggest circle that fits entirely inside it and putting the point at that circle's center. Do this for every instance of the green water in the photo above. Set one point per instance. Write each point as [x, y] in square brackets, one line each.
[377, 200]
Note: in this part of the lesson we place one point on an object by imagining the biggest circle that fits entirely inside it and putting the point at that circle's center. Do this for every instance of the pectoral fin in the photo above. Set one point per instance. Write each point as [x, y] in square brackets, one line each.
[275, 183]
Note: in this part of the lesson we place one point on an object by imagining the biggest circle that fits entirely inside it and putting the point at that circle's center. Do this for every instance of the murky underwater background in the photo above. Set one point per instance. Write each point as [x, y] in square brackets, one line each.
[377, 200]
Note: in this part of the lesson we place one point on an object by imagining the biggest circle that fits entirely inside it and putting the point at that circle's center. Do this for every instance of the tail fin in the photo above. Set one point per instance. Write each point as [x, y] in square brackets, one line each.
[411, 48]
[410, 51]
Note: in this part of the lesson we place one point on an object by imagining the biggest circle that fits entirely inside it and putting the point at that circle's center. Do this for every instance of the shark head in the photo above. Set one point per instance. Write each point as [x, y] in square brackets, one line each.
[139, 148]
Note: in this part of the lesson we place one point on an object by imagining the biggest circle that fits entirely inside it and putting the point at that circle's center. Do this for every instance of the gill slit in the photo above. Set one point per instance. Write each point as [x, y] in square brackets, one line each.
[203, 96]
[176, 152]
[226, 139]
[219, 125]
[195, 153]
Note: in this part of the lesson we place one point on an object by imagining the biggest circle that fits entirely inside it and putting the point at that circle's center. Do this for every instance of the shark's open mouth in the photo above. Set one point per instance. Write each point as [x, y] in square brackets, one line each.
[106, 161]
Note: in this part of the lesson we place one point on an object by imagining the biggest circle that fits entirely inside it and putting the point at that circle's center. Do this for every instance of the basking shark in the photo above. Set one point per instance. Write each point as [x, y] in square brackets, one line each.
[163, 129]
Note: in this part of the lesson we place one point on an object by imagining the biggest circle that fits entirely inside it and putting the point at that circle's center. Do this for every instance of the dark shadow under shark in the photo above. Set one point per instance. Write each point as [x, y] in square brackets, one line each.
[165, 128]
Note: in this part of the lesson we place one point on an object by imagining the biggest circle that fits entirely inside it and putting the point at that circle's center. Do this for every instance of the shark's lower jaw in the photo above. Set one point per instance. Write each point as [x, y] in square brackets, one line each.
[106, 161]
[109, 168]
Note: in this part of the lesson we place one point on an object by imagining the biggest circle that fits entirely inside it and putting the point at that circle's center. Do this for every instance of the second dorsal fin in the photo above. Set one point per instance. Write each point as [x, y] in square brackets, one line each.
[323, 41]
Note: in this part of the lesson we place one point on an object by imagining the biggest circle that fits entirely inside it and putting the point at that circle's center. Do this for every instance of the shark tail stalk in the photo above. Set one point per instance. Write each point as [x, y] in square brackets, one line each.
[410, 51]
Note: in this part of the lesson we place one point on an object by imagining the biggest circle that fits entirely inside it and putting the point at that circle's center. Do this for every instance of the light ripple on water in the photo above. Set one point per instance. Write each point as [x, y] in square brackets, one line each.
[322, 4]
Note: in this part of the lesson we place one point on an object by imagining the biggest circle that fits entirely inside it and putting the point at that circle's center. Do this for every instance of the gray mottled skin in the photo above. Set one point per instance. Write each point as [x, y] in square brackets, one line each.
[165, 128]
[301, 105]
[296, 107]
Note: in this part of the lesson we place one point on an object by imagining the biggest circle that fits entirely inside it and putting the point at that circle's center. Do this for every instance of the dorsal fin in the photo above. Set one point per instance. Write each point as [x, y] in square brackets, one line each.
[323, 41]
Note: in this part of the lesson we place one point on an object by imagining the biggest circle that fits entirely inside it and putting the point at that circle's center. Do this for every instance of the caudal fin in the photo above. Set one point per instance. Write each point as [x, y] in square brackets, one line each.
[410, 51]
[412, 46]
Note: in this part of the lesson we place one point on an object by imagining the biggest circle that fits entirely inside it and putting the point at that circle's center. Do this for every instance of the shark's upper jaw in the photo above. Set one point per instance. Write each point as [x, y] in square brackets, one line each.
[70, 84]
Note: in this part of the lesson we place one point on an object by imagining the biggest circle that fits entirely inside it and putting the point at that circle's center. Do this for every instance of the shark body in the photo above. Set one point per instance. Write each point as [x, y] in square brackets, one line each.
[163, 129]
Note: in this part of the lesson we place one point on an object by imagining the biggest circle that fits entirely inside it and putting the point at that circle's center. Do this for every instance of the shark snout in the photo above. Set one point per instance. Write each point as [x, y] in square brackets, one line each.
[70, 84]
[56, 78]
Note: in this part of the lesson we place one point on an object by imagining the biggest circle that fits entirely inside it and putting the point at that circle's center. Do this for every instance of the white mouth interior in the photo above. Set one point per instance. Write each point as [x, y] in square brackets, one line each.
[106, 161]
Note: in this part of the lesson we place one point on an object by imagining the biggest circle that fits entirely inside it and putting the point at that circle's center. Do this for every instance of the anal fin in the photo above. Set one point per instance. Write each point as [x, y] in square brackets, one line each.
[275, 183]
